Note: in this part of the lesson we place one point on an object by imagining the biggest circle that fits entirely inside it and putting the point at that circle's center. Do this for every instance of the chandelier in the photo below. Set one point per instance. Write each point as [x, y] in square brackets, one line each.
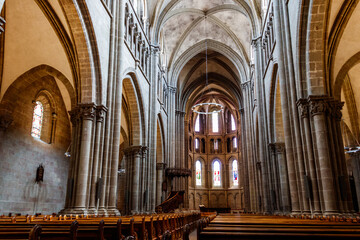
[206, 107]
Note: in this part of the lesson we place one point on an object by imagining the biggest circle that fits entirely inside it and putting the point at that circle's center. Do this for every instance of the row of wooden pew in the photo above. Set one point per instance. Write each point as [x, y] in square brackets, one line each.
[160, 226]
[244, 226]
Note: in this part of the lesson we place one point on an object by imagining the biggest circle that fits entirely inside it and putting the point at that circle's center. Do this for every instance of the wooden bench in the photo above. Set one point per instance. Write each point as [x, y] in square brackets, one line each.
[265, 227]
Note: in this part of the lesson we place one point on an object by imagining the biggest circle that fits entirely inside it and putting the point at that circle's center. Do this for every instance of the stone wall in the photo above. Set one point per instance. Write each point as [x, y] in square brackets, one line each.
[21, 154]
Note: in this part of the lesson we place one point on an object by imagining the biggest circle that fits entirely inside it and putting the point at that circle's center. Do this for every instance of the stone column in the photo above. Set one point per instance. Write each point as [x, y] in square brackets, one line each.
[160, 168]
[171, 126]
[318, 108]
[100, 114]
[86, 113]
[151, 187]
[279, 149]
[304, 114]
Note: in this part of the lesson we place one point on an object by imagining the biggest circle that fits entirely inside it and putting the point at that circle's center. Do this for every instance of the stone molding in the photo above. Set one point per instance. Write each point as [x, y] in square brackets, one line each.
[101, 111]
[178, 172]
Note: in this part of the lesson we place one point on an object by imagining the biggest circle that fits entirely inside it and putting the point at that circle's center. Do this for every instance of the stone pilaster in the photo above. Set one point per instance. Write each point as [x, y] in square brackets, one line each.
[86, 114]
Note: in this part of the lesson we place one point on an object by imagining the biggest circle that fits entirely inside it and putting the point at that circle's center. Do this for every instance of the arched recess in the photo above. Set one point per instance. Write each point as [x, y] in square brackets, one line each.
[28, 78]
[81, 25]
[48, 149]
[136, 110]
[160, 160]
[315, 46]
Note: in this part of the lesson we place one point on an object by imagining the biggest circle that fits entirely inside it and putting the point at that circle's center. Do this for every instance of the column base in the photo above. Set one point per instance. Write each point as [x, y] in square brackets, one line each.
[113, 212]
[102, 212]
[76, 211]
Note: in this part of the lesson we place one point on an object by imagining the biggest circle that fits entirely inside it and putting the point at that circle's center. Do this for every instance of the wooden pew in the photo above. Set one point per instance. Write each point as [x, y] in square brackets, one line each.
[264, 227]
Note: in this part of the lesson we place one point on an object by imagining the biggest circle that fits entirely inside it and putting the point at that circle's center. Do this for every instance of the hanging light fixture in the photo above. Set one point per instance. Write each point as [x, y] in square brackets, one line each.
[206, 107]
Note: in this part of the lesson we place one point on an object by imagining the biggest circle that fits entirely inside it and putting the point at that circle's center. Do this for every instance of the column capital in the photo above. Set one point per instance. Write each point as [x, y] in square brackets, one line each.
[335, 109]
[303, 106]
[172, 89]
[160, 166]
[255, 42]
[74, 115]
[87, 111]
[134, 150]
[245, 85]
[101, 110]
[154, 49]
[318, 104]
[354, 153]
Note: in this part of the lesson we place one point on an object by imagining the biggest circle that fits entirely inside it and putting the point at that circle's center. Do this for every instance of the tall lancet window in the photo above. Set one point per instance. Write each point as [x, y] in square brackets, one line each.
[216, 174]
[37, 120]
[235, 173]
[196, 143]
[233, 125]
[215, 122]
[216, 144]
[197, 124]
[235, 143]
[198, 173]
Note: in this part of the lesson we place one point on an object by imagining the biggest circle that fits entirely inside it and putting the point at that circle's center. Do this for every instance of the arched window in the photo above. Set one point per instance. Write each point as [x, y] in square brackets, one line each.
[216, 144]
[215, 122]
[235, 172]
[37, 120]
[196, 143]
[216, 174]
[197, 124]
[198, 173]
[233, 125]
[235, 143]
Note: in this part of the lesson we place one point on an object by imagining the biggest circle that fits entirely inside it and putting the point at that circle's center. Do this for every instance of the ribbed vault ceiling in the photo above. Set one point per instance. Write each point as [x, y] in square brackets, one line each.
[179, 25]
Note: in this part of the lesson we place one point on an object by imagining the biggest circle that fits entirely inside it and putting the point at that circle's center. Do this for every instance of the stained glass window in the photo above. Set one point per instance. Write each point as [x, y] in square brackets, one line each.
[217, 173]
[197, 124]
[215, 122]
[233, 126]
[37, 120]
[235, 173]
[196, 143]
[198, 173]
[234, 142]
